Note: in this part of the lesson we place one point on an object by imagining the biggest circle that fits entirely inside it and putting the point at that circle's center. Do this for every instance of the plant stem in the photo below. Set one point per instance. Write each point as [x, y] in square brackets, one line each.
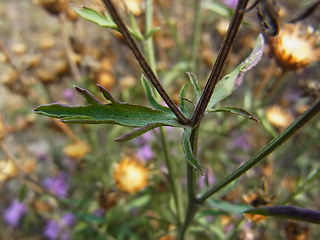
[309, 114]
[191, 185]
[143, 63]
[220, 62]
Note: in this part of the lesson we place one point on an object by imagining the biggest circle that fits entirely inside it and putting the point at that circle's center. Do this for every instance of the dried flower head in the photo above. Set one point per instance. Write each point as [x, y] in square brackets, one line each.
[7, 170]
[130, 175]
[107, 198]
[279, 117]
[2, 129]
[76, 150]
[295, 46]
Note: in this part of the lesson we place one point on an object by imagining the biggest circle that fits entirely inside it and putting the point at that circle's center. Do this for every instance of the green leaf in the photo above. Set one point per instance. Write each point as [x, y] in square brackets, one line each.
[90, 218]
[152, 32]
[105, 21]
[229, 82]
[135, 29]
[186, 145]
[218, 8]
[288, 212]
[195, 83]
[237, 111]
[123, 114]
[237, 208]
[137, 132]
[95, 17]
[150, 96]
[182, 97]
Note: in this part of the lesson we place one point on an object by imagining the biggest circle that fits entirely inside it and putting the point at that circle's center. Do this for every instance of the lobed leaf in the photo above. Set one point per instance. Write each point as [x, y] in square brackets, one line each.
[123, 114]
[229, 82]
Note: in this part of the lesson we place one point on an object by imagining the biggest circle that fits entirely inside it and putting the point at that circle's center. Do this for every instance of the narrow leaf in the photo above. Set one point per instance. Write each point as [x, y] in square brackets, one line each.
[137, 132]
[95, 17]
[288, 212]
[237, 208]
[150, 96]
[188, 151]
[152, 32]
[106, 94]
[195, 83]
[87, 95]
[182, 96]
[135, 29]
[237, 111]
[229, 82]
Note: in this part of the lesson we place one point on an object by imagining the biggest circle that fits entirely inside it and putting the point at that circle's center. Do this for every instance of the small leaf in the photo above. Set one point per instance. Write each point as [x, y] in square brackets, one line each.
[135, 29]
[90, 218]
[104, 20]
[237, 111]
[237, 208]
[151, 98]
[195, 84]
[88, 96]
[229, 82]
[137, 132]
[182, 96]
[217, 8]
[152, 32]
[288, 212]
[106, 94]
[95, 17]
[188, 151]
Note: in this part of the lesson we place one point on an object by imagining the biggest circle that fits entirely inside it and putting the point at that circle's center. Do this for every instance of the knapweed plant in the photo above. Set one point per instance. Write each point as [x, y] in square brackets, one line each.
[194, 104]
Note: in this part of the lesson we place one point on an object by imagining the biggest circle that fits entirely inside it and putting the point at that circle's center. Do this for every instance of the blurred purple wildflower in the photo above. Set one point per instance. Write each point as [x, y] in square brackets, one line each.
[57, 185]
[14, 212]
[145, 153]
[59, 230]
[68, 94]
[240, 141]
[208, 179]
[231, 3]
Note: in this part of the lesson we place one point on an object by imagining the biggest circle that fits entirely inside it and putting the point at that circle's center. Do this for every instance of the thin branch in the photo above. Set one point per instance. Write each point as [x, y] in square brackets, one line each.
[220, 62]
[309, 114]
[143, 63]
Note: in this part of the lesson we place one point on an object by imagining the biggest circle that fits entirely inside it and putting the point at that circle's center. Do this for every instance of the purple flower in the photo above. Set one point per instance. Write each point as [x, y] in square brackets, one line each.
[68, 94]
[57, 185]
[240, 141]
[59, 230]
[231, 3]
[14, 213]
[145, 138]
[145, 153]
[208, 179]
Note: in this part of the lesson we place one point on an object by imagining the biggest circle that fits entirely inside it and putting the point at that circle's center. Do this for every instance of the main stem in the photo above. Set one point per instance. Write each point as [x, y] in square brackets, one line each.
[220, 62]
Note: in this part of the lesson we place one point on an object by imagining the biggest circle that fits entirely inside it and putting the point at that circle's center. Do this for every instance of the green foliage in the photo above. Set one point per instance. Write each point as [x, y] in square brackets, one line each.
[228, 83]
[123, 114]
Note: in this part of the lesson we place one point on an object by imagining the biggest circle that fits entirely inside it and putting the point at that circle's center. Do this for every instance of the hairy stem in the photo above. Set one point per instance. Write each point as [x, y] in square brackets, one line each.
[309, 114]
[220, 62]
[143, 63]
